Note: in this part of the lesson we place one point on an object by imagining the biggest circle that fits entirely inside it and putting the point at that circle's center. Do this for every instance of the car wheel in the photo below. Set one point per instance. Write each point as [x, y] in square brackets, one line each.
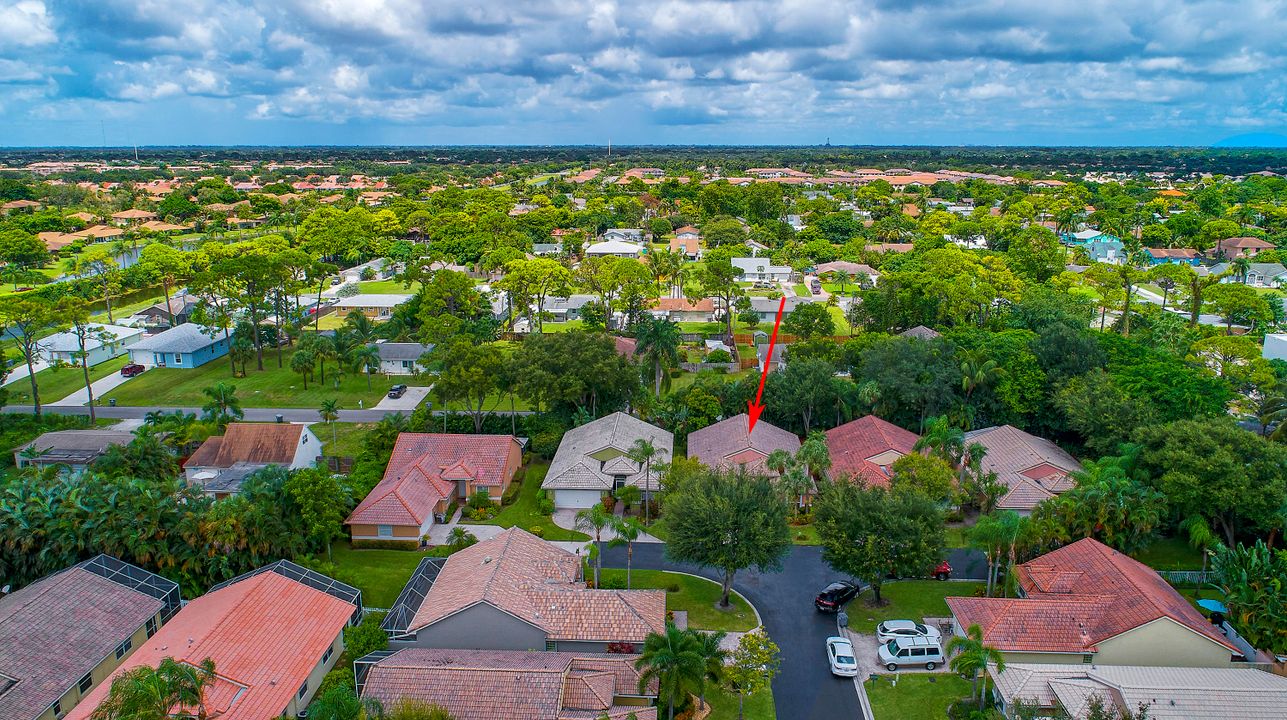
[891, 667]
[930, 666]
[941, 576]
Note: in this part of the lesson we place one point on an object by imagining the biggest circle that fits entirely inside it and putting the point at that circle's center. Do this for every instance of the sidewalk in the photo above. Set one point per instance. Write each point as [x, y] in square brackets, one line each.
[101, 387]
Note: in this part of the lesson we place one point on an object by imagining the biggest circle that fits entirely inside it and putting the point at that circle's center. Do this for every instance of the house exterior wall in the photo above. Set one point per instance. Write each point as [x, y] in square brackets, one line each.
[410, 533]
[1162, 643]
[149, 358]
[478, 627]
[1047, 658]
[100, 672]
[513, 459]
[577, 498]
[315, 677]
[400, 367]
[582, 646]
[307, 451]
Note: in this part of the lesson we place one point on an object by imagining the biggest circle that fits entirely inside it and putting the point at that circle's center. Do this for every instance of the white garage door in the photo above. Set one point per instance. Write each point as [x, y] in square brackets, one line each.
[576, 498]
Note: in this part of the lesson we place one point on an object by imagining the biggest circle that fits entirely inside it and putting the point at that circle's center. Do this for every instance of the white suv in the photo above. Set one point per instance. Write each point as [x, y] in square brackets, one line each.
[911, 651]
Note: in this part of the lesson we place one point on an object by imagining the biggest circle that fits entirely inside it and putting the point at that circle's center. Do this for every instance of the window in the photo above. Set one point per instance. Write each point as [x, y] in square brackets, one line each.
[302, 689]
[406, 364]
[178, 359]
[58, 708]
[918, 652]
[151, 626]
[327, 655]
[124, 648]
[551, 646]
[384, 531]
[1087, 659]
[85, 683]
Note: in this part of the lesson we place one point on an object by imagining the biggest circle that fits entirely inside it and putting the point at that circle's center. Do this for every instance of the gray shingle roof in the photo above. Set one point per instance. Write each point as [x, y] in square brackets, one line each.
[402, 351]
[609, 438]
[185, 338]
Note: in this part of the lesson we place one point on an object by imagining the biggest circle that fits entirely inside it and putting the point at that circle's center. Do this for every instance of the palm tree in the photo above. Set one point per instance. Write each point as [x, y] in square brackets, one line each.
[843, 277]
[643, 452]
[674, 660]
[330, 412]
[943, 440]
[814, 455]
[360, 325]
[627, 531]
[977, 372]
[658, 343]
[715, 656]
[595, 518]
[778, 461]
[973, 657]
[365, 358]
[341, 702]
[223, 404]
[302, 362]
[146, 693]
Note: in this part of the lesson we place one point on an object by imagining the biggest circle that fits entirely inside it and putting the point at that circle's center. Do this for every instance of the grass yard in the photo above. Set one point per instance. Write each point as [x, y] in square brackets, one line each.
[916, 696]
[271, 387]
[955, 536]
[907, 600]
[802, 290]
[349, 437]
[561, 327]
[388, 287]
[842, 325]
[379, 574]
[724, 705]
[56, 383]
[705, 328]
[696, 595]
[1171, 553]
[524, 513]
[805, 535]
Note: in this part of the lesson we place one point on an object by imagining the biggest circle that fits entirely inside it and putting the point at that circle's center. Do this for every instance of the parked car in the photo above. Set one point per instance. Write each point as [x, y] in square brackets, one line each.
[892, 629]
[816, 286]
[834, 596]
[911, 651]
[397, 391]
[132, 369]
[941, 571]
[840, 653]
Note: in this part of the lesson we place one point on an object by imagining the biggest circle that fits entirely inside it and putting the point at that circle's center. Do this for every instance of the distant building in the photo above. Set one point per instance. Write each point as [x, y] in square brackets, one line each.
[372, 305]
[102, 343]
[1032, 468]
[614, 247]
[401, 358]
[762, 270]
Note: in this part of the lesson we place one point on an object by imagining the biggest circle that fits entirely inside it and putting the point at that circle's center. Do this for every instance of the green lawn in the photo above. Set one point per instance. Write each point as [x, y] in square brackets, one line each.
[560, 327]
[379, 574]
[955, 536]
[842, 325]
[271, 387]
[56, 383]
[805, 535]
[388, 287]
[706, 328]
[724, 705]
[349, 437]
[695, 595]
[523, 512]
[1170, 554]
[906, 600]
[802, 290]
[916, 696]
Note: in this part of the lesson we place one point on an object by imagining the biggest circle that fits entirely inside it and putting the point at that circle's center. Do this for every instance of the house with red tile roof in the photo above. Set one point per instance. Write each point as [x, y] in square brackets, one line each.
[684, 310]
[1088, 603]
[426, 473]
[510, 684]
[1032, 468]
[273, 634]
[1233, 248]
[866, 448]
[687, 242]
[62, 635]
[518, 592]
[727, 444]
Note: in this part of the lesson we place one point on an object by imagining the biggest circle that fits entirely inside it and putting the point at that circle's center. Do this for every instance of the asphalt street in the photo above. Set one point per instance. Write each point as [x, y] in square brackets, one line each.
[804, 688]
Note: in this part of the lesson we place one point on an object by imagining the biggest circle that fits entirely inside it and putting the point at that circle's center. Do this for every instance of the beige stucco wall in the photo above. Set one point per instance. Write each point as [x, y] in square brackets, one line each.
[1060, 658]
[1163, 643]
[315, 677]
[100, 671]
[372, 532]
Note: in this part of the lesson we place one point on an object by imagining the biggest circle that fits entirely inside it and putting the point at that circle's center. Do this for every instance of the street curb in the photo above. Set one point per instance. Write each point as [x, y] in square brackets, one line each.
[860, 684]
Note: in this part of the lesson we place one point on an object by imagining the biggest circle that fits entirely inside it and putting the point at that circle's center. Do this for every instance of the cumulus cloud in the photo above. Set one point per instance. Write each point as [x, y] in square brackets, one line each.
[667, 71]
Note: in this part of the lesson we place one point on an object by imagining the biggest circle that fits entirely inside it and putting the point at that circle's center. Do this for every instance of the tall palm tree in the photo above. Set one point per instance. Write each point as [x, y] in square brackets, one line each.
[943, 440]
[627, 532]
[360, 325]
[977, 372]
[643, 452]
[172, 689]
[365, 358]
[973, 657]
[595, 518]
[658, 342]
[843, 277]
[330, 412]
[715, 657]
[223, 404]
[814, 456]
[674, 660]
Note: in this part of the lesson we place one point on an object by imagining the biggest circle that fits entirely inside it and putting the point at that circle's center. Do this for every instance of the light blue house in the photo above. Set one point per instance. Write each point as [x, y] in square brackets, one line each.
[184, 346]
[1106, 249]
[1087, 236]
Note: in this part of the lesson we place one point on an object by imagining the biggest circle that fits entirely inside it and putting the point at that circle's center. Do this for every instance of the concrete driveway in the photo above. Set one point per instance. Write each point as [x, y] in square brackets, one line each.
[409, 401]
[101, 387]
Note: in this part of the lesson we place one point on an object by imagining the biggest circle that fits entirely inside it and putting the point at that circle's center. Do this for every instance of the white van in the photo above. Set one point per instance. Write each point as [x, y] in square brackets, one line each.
[911, 651]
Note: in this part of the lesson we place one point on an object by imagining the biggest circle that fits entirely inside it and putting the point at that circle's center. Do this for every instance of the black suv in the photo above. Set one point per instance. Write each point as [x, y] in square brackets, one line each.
[834, 596]
[397, 391]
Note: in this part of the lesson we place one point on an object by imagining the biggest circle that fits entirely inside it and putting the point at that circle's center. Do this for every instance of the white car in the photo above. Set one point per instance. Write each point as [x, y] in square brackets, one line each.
[840, 653]
[895, 629]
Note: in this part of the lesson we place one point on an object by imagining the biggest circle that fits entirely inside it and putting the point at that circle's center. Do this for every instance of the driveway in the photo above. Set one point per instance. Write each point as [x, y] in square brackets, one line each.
[101, 386]
[566, 519]
[409, 401]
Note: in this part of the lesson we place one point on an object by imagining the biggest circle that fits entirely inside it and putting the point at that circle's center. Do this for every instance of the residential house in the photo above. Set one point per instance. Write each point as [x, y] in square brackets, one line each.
[1275, 347]
[767, 308]
[796, 222]
[859, 273]
[372, 305]
[684, 310]
[1266, 275]
[897, 248]
[727, 444]
[1086, 603]
[1032, 468]
[222, 462]
[102, 343]
[1106, 249]
[1234, 248]
[968, 242]
[516, 591]
[1168, 693]
[20, 205]
[1162, 256]
[132, 217]
[73, 449]
[547, 249]
[181, 306]
[401, 358]
[614, 248]
[377, 269]
[920, 332]
[183, 346]
[866, 449]
[761, 270]
[592, 460]
[272, 634]
[635, 236]
[559, 309]
[775, 363]
[509, 684]
[427, 472]
[63, 635]
[687, 242]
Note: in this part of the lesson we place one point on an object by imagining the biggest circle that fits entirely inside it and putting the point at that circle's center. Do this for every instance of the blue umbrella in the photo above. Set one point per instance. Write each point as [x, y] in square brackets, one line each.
[1213, 606]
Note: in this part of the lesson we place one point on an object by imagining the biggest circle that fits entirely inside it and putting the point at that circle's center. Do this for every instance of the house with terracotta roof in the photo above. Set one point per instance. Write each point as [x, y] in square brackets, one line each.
[516, 591]
[1234, 248]
[222, 462]
[866, 449]
[728, 445]
[1086, 603]
[63, 635]
[688, 244]
[592, 460]
[272, 633]
[509, 684]
[426, 473]
[1032, 468]
[132, 216]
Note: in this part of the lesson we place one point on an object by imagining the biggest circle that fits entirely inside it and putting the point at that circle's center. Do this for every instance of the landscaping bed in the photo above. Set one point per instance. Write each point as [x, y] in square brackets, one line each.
[525, 512]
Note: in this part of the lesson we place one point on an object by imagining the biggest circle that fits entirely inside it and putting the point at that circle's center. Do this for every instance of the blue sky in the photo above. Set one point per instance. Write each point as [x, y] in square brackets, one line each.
[1067, 72]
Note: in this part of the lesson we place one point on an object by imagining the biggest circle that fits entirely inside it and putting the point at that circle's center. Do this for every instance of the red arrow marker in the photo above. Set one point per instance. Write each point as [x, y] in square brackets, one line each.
[753, 409]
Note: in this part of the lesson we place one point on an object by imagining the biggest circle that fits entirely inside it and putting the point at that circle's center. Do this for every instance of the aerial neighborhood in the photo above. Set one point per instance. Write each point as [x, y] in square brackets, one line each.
[563, 434]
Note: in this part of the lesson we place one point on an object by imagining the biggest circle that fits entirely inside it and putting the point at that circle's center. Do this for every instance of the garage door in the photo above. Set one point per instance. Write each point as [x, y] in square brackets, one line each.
[576, 498]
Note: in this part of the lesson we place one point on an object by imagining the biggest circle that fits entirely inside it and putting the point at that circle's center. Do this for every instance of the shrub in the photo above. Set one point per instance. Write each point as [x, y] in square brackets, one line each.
[368, 273]
[365, 637]
[338, 677]
[719, 356]
[545, 506]
[460, 538]
[480, 500]
[511, 492]
[537, 530]
[608, 502]
[622, 648]
[386, 544]
[672, 587]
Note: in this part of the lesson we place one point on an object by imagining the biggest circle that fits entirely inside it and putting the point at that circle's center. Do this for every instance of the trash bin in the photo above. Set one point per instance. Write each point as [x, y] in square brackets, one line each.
[112, 402]
[280, 418]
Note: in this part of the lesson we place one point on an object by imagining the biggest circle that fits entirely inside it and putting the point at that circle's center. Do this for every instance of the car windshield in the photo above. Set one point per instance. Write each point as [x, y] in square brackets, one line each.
[922, 629]
[844, 660]
[892, 646]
